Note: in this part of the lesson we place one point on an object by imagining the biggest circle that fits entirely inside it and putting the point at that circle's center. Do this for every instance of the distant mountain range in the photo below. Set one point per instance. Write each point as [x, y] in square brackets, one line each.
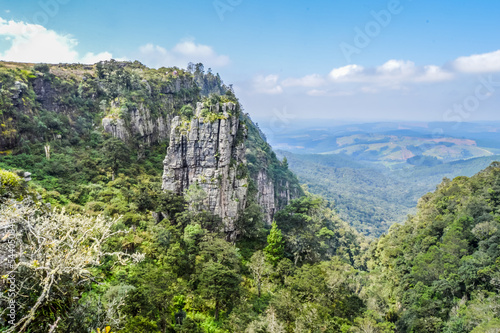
[375, 173]
[481, 139]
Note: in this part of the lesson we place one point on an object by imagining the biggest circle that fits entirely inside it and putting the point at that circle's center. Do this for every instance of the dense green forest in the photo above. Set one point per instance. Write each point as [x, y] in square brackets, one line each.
[371, 197]
[443, 265]
[101, 247]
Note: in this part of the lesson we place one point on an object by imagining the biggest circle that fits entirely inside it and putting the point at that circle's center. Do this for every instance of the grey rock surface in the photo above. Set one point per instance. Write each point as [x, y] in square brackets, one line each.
[151, 127]
[207, 153]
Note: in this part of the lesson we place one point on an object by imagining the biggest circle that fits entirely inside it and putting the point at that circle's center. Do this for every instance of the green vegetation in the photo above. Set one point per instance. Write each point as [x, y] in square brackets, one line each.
[372, 198]
[260, 156]
[209, 83]
[10, 185]
[101, 248]
[442, 266]
[189, 278]
[63, 103]
[275, 246]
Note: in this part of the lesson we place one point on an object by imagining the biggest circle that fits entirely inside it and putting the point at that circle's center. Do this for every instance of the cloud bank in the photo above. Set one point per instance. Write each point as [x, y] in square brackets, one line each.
[181, 54]
[35, 43]
[394, 74]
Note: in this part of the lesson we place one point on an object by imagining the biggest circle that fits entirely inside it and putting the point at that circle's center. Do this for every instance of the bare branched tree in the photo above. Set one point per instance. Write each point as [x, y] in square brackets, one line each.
[53, 246]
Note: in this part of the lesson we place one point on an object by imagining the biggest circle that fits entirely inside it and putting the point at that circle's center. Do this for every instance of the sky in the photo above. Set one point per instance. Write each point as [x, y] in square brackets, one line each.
[332, 60]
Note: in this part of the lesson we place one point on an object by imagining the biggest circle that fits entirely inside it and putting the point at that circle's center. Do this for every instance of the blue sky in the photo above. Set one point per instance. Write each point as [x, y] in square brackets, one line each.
[413, 60]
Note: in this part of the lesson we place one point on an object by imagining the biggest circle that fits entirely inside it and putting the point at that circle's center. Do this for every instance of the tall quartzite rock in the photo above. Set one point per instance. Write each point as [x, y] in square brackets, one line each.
[208, 153]
[212, 153]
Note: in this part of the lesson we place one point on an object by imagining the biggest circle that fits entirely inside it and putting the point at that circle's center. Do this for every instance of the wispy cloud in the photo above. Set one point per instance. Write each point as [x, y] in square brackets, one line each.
[181, 54]
[394, 74]
[326, 92]
[35, 43]
[313, 80]
[267, 85]
[390, 73]
[432, 73]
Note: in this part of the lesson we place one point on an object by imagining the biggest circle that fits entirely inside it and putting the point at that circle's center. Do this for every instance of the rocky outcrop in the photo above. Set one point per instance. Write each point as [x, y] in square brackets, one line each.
[46, 94]
[116, 127]
[207, 153]
[142, 125]
[266, 196]
[213, 156]
[218, 148]
[146, 126]
[274, 195]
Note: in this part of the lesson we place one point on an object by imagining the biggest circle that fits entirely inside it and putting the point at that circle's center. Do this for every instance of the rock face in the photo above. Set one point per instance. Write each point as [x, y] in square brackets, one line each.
[208, 154]
[218, 148]
[266, 195]
[47, 95]
[212, 155]
[142, 124]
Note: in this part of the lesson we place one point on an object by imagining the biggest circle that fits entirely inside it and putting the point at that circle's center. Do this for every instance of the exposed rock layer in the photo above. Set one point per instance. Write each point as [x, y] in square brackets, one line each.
[209, 154]
[143, 124]
[206, 153]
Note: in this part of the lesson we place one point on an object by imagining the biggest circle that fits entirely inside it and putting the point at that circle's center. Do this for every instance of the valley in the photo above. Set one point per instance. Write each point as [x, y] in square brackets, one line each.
[375, 173]
[144, 200]
[235, 166]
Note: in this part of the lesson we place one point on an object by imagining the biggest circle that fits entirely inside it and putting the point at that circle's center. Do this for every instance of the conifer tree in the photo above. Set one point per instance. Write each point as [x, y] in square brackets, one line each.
[275, 245]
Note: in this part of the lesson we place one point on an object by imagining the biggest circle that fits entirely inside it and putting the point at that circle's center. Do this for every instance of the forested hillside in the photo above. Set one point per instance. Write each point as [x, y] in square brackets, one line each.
[91, 240]
[441, 269]
[370, 197]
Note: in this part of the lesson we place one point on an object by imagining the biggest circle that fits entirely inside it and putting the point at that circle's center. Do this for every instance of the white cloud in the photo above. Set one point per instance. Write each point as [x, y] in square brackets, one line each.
[181, 54]
[35, 43]
[348, 80]
[347, 73]
[478, 63]
[406, 71]
[352, 79]
[267, 85]
[369, 90]
[91, 58]
[313, 80]
[434, 74]
[397, 68]
[391, 74]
